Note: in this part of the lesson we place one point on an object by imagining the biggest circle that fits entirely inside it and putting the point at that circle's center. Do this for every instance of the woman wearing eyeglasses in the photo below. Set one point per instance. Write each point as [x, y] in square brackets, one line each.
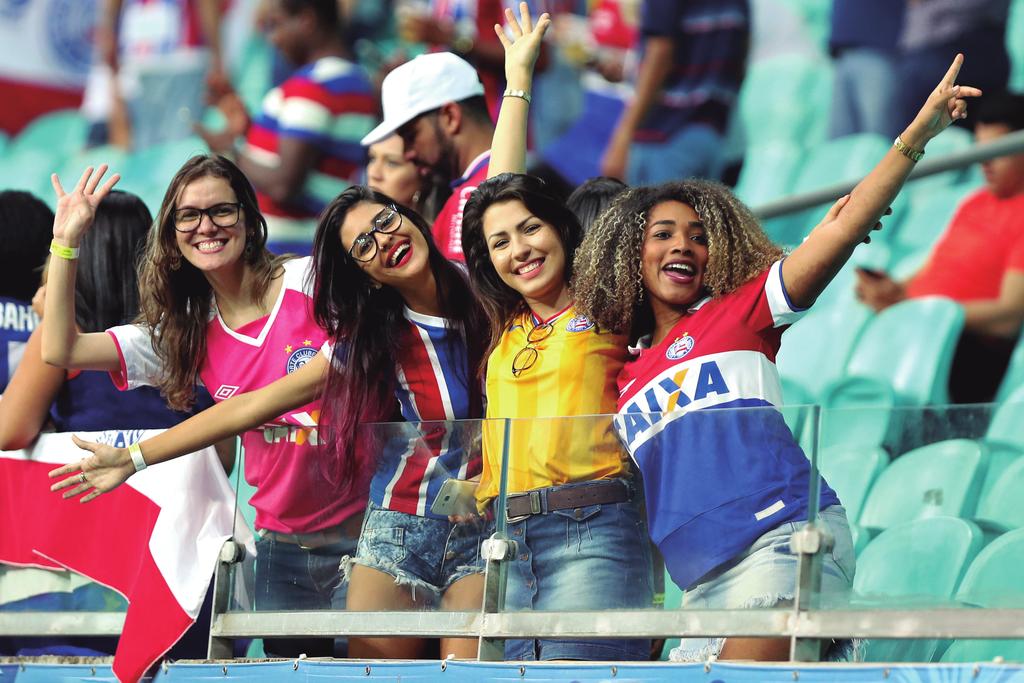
[234, 316]
[581, 543]
[406, 327]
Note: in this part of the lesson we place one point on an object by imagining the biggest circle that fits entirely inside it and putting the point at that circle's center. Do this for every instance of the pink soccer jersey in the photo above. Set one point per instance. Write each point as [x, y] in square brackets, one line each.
[294, 488]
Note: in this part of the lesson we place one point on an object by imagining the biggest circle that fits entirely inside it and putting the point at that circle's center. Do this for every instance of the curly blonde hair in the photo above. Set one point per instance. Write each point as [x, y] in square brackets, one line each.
[607, 283]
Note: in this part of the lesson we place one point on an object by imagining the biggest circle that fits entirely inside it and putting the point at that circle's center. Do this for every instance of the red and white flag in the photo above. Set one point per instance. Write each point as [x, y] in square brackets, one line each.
[154, 539]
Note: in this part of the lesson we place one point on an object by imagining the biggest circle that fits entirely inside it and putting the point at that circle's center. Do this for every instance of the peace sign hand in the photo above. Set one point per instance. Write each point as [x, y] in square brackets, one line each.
[522, 50]
[76, 209]
[103, 471]
[946, 103]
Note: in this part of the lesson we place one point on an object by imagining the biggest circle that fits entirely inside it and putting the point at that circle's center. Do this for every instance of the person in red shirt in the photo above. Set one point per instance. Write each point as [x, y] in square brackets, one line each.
[978, 261]
[435, 102]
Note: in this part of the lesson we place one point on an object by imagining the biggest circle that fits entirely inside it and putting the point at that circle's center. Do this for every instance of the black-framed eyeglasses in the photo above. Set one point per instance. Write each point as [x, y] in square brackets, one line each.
[364, 247]
[224, 215]
[527, 356]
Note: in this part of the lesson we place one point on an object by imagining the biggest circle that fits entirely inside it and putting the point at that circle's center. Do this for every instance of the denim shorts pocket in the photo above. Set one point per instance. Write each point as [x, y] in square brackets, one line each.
[580, 514]
[383, 543]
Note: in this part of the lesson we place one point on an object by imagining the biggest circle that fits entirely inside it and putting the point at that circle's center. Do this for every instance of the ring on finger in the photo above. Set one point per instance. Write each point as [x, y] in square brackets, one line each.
[81, 477]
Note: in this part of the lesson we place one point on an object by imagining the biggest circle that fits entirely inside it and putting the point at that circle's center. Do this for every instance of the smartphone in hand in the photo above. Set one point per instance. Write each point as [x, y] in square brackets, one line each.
[456, 497]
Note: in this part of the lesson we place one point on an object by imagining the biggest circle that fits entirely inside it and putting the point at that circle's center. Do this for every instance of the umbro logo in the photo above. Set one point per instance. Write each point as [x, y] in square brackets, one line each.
[225, 392]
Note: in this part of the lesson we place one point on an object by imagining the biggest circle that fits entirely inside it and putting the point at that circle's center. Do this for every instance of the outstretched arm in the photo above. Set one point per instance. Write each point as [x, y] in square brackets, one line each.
[62, 344]
[508, 146]
[814, 263]
[108, 467]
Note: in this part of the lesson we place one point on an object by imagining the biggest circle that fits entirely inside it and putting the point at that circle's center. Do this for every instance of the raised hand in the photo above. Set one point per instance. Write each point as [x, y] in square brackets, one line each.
[946, 103]
[103, 471]
[76, 209]
[522, 50]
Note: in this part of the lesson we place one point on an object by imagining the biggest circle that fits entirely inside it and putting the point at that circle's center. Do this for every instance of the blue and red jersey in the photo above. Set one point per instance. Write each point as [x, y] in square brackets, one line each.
[434, 382]
[698, 414]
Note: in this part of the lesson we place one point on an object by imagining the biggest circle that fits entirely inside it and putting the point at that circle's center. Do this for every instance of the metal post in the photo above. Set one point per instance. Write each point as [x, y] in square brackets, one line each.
[230, 553]
[496, 550]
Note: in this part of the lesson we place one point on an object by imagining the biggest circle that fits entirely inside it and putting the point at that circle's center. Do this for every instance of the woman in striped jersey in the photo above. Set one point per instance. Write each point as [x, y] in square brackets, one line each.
[402, 324]
[570, 508]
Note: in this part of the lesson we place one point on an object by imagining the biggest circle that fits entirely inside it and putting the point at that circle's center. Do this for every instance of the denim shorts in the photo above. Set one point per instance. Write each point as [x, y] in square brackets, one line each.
[764, 575]
[589, 558]
[421, 552]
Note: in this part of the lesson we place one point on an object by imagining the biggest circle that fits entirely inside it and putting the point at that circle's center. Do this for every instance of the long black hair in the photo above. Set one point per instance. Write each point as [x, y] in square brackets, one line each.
[107, 285]
[366, 324]
[499, 301]
[26, 227]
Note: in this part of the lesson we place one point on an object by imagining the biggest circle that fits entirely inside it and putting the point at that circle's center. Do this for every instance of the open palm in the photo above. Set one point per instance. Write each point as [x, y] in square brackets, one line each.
[522, 50]
[76, 209]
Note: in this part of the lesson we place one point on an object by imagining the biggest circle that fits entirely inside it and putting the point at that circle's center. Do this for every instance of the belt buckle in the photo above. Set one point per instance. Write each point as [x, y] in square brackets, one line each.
[535, 507]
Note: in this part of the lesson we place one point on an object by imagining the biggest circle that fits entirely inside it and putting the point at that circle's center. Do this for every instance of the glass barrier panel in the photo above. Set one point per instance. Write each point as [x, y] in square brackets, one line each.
[369, 530]
[932, 501]
[718, 491]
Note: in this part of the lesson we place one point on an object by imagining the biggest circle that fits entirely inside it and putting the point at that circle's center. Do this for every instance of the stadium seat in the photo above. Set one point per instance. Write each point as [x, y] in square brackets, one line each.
[943, 478]
[28, 170]
[1005, 427]
[773, 102]
[70, 168]
[58, 133]
[1000, 507]
[953, 139]
[876, 255]
[993, 580]
[673, 600]
[861, 538]
[914, 564]
[856, 411]
[816, 349]
[149, 171]
[1011, 389]
[767, 173]
[927, 331]
[926, 220]
[851, 471]
[1015, 45]
[252, 76]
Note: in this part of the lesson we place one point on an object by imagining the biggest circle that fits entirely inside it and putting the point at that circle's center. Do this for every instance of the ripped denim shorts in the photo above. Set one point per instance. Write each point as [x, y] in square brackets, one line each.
[421, 552]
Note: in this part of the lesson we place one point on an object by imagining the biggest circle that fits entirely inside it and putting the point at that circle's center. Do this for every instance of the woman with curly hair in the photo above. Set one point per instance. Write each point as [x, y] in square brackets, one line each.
[571, 506]
[686, 269]
[218, 308]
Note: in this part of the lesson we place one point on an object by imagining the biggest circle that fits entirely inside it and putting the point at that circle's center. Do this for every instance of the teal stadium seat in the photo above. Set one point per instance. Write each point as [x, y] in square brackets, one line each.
[943, 478]
[1000, 507]
[851, 471]
[816, 349]
[953, 139]
[915, 564]
[1015, 45]
[673, 600]
[927, 219]
[881, 374]
[768, 172]
[774, 102]
[1013, 381]
[252, 76]
[28, 170]
[993, 580]
[875, 255]
[148, 172]
[59, 133]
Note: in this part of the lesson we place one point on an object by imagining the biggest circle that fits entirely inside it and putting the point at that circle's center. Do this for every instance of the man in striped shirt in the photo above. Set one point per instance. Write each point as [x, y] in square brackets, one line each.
[302, 149]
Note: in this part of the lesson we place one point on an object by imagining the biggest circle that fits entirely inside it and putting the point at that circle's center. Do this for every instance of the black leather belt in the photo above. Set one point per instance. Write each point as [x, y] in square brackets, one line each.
[541, 501]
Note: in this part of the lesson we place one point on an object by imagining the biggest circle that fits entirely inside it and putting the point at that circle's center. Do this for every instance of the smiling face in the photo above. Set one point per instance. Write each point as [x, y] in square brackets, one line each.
[402, 257]
[388, 171]
[210, 247]
[674, 256]
[527, 254]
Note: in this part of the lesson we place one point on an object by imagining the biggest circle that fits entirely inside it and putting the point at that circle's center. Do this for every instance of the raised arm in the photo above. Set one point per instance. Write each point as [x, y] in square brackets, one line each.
[108, 467]
[508, 146]
[812, 265]
[62, 344]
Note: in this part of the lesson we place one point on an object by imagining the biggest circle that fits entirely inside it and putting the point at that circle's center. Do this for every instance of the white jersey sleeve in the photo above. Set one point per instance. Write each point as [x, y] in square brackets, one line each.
[140, 365]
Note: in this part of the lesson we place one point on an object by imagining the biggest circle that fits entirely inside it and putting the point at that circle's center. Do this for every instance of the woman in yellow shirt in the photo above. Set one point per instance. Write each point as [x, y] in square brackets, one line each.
[571, 508]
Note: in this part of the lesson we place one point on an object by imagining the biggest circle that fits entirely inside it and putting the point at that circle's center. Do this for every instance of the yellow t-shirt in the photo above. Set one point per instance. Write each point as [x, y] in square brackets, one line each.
[574, 373]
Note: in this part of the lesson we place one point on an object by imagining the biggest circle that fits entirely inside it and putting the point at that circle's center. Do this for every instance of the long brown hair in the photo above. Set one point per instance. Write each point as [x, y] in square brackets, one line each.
[175, 297]
[608, 287]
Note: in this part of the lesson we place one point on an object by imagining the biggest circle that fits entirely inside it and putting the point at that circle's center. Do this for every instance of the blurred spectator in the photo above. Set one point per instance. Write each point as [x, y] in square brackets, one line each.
[693, 59]
[600, 44]
[934, 31]
[25, 224]
[154, 55]
[864, 52]
[388, 171]
[303, 149]
[589, 200]
[978, 261]
[435, 102]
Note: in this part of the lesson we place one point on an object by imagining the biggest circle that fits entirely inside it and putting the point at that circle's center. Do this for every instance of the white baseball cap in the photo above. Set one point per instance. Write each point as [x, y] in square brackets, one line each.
[420, 85]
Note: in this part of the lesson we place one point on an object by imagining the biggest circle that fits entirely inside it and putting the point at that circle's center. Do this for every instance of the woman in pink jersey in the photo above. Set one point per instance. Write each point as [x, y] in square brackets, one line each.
[409, 329]
[686, 270]
[235, 317]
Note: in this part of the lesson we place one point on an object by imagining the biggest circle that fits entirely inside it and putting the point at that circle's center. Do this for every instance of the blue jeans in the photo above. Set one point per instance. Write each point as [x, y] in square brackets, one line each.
[420, 552]
[864, 94]
[589, 558]
[693, 152]
[289, 577]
